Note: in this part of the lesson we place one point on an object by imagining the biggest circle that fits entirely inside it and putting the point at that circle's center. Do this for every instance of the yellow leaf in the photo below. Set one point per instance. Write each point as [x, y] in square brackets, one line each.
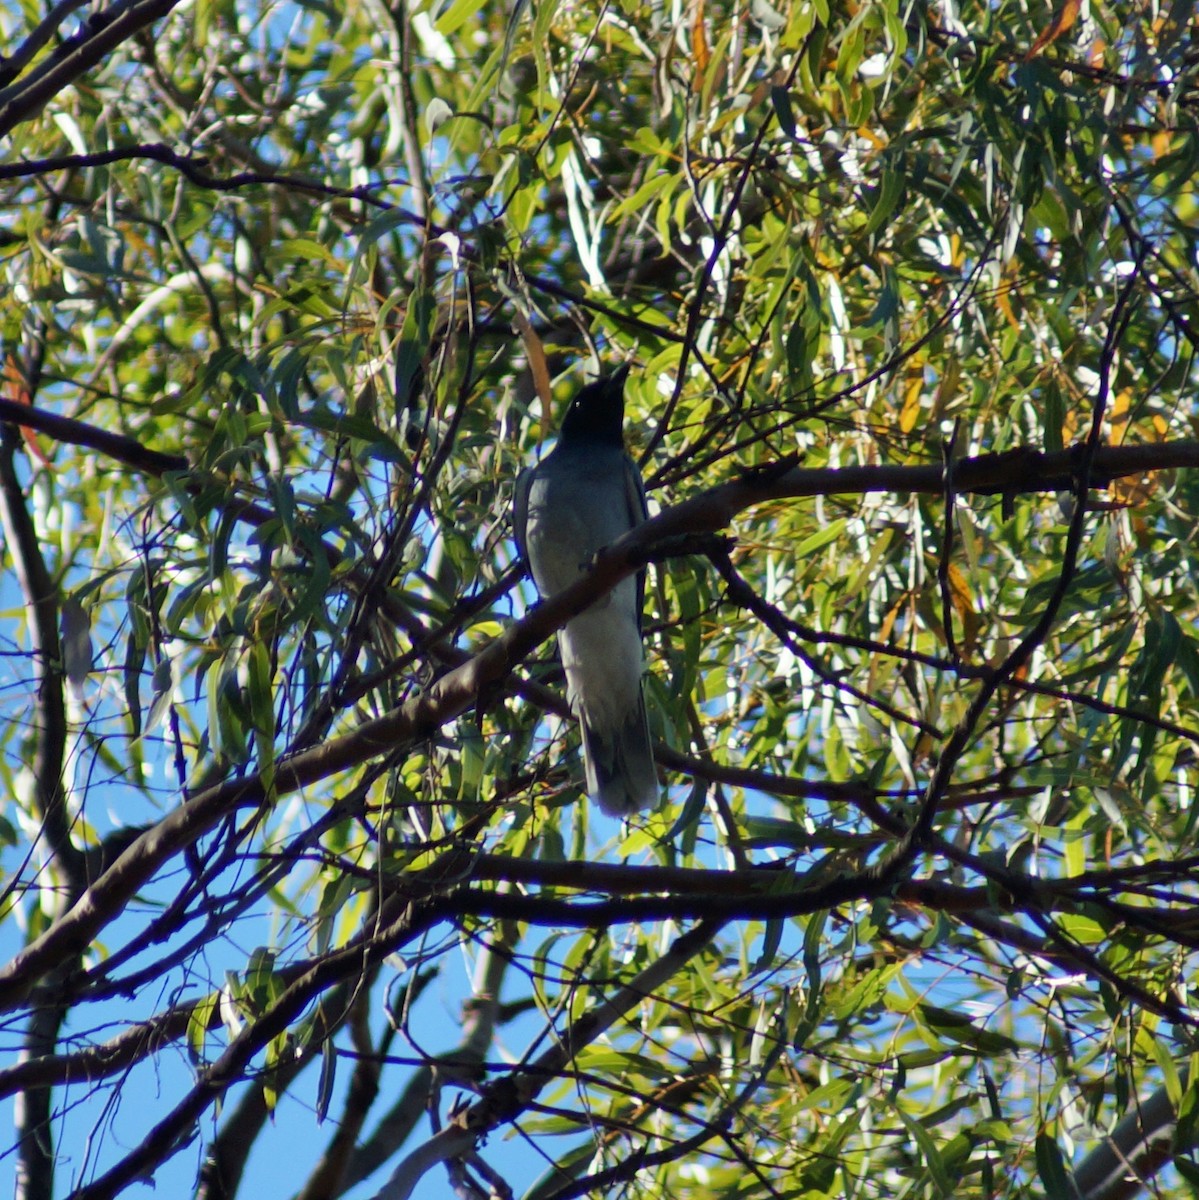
[963, 605]
[1132, 492]
[947, 387]
[1005, 305]
[913, 391]
[1062, 20]
[1118, 415]
[535, 353]
[699, 42]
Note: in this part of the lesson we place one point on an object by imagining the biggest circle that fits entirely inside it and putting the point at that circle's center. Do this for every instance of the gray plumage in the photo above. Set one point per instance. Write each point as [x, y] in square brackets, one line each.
[577, 500]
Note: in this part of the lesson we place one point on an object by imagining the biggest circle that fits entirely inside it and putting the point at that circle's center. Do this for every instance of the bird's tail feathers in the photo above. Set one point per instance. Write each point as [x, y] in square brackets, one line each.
[620, 766]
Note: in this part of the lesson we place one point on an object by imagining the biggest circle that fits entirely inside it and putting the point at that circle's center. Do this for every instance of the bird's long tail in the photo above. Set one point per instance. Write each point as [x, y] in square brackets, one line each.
[620, 765]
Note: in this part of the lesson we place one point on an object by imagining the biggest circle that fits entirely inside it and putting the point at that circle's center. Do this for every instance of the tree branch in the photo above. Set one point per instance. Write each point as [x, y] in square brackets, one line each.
[98, 38]
[1135, 1150]
[504, 1099]
[116, 446]
[66, 877]
[13, 64]
[456, 691]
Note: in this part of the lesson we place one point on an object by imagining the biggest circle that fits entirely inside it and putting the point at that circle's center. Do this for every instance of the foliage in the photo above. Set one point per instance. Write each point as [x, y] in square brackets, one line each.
[910, 297]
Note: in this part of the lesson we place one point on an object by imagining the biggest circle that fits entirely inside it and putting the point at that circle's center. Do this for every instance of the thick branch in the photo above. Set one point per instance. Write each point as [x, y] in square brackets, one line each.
[13, 64]
[116, 446]
[41, 605]
[225, 1162]
[1139, 1146]
[466, 1060]
[102, 34]
[505, 1098]
[397, 924]
[456, 691]
[703, 892]
[66, 880]
[94, 1063]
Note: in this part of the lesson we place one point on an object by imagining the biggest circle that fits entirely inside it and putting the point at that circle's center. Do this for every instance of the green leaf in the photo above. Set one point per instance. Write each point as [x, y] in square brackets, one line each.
[324, 1088]
[780, 98]
[1051, 1167]
[943, 1182]
[199, 1022]
[887, 195]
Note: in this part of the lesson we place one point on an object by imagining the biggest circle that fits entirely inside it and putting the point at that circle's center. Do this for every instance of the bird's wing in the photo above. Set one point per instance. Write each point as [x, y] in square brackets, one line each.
[520, 511]
[637, 510]
[634, 493]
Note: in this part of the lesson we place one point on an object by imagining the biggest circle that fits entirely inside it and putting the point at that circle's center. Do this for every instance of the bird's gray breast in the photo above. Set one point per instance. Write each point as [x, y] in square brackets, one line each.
[576, 505]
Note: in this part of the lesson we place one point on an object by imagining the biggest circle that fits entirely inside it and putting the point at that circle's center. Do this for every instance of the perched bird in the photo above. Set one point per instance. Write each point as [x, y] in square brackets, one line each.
[578, 499]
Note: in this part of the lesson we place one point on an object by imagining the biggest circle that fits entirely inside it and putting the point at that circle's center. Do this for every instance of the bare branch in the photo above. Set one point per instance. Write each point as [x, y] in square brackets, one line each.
[116, 446]
[13, 64]
[102, 34]
[504, 1099]
[456, 691]
[1135, 1150]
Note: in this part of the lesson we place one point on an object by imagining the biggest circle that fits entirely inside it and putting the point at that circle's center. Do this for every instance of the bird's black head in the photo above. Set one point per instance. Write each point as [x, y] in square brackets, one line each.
[596, 414]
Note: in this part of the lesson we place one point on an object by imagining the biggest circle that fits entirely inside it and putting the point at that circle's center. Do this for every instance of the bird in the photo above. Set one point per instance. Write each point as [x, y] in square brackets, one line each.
[581, 497]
